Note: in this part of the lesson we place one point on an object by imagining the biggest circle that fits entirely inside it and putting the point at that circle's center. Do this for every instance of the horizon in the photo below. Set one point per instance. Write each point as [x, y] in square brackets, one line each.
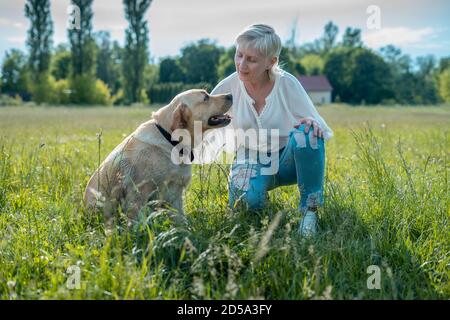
[416, 27]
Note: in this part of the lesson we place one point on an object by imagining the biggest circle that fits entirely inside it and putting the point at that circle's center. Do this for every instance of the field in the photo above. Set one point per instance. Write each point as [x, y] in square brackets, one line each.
[386, 205]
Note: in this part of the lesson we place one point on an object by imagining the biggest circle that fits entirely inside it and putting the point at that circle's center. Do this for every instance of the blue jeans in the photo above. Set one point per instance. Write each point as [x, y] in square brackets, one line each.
[301, 161]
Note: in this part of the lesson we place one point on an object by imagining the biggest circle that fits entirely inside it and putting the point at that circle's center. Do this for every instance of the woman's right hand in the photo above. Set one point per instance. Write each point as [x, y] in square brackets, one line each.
[308, 123]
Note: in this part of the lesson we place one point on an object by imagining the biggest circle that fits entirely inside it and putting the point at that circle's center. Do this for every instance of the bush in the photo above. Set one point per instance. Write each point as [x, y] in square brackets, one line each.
[9, 101]
[41, 88]
[85, 89]
[165, 92]
[61, 92]
[102, 96]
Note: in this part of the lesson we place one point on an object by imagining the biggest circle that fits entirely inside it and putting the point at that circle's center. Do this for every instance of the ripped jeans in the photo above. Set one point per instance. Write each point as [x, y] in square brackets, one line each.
[301, 161]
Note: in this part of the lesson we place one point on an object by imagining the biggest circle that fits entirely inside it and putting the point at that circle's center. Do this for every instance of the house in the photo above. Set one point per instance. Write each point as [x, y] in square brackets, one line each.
[318, 88]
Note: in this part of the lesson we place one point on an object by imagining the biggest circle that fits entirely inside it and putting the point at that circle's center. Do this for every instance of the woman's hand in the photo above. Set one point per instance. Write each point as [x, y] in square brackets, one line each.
[308, 122]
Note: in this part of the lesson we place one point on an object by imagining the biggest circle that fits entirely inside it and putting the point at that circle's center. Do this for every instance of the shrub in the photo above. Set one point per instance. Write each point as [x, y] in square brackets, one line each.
[165, 92]
[61, 92]
[85, 89]
[102, 95]
[9, 101]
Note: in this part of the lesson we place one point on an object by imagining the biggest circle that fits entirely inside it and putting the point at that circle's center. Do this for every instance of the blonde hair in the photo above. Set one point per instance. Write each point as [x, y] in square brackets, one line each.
[264, 39]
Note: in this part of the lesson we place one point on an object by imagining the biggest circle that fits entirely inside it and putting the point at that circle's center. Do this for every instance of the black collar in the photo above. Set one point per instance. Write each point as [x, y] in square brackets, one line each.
[168, 137]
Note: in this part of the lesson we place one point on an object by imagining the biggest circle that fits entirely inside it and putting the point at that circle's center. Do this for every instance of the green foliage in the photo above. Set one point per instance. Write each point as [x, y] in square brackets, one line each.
[82, 44]
[352, 38]
[86, 90]
[199, 61]
[358, 75]
[170, 70]
[41, 88]
[61, 92]
[336, 71]
[165, 92]
[39, 39]
[60, 65]
[109, 59]
[135, 55]
[444, 85]
[329, 36]
[286, 61]
[14, 80]
[9, 101]
[226, 63]
[369, 78]
[313, 64]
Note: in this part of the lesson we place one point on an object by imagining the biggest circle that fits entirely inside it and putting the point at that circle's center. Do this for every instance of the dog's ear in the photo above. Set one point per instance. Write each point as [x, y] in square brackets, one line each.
[181, 117]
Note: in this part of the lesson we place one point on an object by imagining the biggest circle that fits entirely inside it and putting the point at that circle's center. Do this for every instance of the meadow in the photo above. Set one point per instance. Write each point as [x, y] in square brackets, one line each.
[386, 205]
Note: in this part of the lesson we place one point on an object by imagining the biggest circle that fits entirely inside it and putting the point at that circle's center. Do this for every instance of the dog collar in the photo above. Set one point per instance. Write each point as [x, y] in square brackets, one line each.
[168, 137]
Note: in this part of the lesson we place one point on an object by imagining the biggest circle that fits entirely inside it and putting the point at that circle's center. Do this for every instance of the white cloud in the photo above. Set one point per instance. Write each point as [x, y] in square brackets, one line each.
[20, 39]
[399, 36]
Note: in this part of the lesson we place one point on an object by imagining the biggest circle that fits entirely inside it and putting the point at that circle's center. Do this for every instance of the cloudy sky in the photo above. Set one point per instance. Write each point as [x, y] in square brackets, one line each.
[418, 27]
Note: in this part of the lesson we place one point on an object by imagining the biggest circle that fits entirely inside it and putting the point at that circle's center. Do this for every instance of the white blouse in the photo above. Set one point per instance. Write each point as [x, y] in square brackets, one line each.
[286, 104]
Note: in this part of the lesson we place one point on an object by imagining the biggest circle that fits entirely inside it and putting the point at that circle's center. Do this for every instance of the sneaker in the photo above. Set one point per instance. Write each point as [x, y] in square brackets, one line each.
[308, 224]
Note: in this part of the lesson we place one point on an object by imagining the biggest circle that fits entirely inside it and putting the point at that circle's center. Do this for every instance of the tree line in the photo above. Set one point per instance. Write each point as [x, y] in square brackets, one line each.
[93, 69]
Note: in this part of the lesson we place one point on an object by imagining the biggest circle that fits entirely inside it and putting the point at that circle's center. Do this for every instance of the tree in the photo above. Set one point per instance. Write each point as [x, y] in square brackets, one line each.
[81, 41]
[170, 71]
[358, 75]
[444, 85]
[226, 63]
[108, 60]
[403, 80]
[13, 74]
[60, 65]
[199, 61]
[444, 63]
[352, 38]
[135, 53]
[427, 76]
[39, 42]
[370, 79]
[329, 36]
[335, 69]
[82, 46]
[313, 64]
[426, 65]
[286, 60]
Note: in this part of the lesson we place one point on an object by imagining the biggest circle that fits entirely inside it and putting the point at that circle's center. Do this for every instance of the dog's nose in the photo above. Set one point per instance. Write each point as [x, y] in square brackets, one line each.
[229, 97]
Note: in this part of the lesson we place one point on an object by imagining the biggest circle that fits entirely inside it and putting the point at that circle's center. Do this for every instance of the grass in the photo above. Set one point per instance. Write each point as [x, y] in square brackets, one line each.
[387, 204]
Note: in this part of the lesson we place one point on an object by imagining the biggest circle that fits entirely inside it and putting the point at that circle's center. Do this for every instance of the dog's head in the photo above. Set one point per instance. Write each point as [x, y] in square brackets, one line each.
[195, 106]
[198, 105]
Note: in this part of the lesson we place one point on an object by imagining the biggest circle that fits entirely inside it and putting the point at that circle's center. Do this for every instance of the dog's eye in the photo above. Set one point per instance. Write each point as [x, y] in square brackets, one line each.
[206, 98]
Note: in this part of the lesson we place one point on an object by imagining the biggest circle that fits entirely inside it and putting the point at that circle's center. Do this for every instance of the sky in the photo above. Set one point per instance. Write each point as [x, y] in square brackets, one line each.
[418, 27]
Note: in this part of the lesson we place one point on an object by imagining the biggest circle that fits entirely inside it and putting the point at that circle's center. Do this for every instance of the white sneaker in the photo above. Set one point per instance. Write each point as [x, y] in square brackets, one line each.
[308, 224]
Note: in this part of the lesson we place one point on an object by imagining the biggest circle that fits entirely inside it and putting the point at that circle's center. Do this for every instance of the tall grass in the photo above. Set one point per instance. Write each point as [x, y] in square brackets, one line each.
[387, 204]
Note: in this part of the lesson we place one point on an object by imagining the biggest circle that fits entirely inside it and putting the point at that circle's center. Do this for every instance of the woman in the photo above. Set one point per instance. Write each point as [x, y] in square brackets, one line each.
[266, 97]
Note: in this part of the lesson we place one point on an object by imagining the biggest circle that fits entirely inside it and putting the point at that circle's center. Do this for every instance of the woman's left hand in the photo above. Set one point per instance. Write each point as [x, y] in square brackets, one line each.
[308, 122]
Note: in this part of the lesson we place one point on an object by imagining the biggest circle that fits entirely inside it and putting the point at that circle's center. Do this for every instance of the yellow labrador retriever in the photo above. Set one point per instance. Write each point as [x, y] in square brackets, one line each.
[141, 168]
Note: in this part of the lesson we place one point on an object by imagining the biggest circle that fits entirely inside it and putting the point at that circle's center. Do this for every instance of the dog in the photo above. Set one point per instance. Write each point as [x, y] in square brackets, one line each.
[141, 168]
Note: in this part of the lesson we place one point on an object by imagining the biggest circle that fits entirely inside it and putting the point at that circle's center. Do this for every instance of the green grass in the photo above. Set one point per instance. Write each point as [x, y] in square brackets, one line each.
[387, 204]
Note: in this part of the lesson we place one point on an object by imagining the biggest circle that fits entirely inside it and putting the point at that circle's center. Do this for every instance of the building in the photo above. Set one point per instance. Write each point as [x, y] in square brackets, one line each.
[318, 88]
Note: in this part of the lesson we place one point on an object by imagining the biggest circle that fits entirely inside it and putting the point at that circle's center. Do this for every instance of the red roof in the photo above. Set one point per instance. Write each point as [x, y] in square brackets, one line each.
[315, 83]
